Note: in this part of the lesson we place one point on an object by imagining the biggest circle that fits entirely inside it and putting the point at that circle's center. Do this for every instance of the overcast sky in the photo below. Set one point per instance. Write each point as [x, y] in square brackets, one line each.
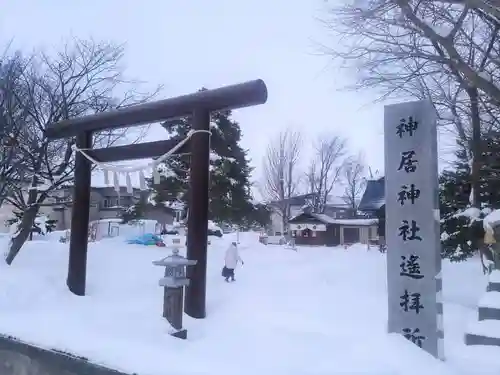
[193, 43]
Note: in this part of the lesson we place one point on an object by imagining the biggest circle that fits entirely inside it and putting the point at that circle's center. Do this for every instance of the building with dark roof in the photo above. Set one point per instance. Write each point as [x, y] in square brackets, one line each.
[335, 207]
[373, 202]
[374, 196]
[309, 228]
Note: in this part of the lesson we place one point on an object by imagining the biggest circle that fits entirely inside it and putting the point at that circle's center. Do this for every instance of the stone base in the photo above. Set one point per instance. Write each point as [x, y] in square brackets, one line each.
[182, 334]
[471, 339]
[17, 357]
[489, 313]
[485, 332]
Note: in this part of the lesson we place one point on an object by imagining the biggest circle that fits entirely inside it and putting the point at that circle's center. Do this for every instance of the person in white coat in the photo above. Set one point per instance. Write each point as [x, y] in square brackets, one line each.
[231, 261]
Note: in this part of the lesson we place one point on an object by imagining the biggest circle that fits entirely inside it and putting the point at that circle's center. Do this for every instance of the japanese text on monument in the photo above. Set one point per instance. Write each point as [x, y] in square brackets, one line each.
[412, 238]
[409, 229]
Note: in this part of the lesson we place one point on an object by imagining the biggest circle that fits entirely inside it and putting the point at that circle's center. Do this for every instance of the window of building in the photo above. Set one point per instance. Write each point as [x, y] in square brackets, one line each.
[313, 233]
[178, 215]
[110, 202]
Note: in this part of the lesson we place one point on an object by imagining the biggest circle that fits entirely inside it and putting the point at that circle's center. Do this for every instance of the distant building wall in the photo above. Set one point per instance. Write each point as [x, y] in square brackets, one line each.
[162, 215]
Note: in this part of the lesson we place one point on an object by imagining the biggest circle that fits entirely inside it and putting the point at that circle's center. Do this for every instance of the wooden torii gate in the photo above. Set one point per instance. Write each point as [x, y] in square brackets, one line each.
[197, 105]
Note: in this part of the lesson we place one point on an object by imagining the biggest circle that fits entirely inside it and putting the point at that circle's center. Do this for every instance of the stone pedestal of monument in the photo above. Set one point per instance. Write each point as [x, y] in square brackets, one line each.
[486, 331]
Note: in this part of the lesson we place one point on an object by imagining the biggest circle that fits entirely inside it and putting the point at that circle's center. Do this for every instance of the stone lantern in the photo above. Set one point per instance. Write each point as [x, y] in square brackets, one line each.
[173, 282]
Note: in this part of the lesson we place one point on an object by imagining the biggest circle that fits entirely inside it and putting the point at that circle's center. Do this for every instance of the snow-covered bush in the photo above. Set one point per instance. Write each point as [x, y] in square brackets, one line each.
[42, 224]
[214, 229]
[133, 213]
[461, 233]
[461, 225]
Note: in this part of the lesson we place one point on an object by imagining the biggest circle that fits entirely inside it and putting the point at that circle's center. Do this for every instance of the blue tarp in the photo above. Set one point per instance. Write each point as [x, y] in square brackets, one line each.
[145, 239]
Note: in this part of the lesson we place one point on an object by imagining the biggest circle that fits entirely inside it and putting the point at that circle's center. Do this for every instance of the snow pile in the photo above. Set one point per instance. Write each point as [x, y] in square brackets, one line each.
[472, 212]
[317, 311]
[495, 276]
[459, 230]
[487, 328]
[490, 300]
[491, 220]
[213, 227]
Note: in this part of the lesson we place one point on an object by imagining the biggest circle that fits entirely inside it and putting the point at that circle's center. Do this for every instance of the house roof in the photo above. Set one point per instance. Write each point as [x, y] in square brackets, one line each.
[159, 207]
[295, 200]
[374, 196]
[325, 219]
[320, 217]
[356, 222]
[336, 201]
[300, 200]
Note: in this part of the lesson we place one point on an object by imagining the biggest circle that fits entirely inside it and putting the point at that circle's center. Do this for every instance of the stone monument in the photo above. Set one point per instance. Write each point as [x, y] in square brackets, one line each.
[414, 283]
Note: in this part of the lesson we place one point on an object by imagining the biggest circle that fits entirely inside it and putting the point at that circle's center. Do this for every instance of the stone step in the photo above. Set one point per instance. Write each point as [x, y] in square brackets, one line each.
[490, 300]
[485, 332]
[489, 313]
[493, 287]
[471, 339]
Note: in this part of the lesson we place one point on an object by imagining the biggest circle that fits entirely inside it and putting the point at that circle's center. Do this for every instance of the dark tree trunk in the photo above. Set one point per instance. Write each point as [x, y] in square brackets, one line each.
[477, 162]
[23, 234]
[475, 148]
[26, 225]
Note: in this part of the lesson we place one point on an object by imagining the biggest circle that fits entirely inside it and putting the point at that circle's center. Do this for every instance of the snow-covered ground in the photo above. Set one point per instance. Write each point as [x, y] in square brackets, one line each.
[314, 311]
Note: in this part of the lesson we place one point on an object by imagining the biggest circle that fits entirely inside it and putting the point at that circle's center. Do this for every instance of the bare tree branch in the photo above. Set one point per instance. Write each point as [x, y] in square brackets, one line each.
[84, 78]
[281, 175]
[439, 50]
[354, 180]
[488, 7]
[325, 168]
[394, 45]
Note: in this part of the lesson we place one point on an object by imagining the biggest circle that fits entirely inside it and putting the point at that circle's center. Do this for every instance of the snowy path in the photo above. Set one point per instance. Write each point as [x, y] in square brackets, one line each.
[315, 311]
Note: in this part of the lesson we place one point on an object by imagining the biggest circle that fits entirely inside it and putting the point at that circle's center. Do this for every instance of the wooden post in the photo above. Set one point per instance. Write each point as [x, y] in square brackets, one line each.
[77, 267]
[195, 298]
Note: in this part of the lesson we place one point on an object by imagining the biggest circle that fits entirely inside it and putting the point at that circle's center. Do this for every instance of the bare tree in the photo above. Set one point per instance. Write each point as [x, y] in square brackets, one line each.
[395, 43]
[354, 180]
[84, 78]
[11, 158]
[281, 174]
[325, 168]
[489, 8]
[446, 52]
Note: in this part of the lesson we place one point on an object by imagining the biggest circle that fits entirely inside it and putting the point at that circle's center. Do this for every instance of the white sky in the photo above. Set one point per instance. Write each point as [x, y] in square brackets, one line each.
[193, 43]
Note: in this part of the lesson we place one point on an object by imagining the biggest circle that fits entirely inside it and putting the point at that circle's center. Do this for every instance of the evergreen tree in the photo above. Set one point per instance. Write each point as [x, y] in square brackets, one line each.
[490, 170]
[133, 212]
[461, 225]
[229, 191]
[455, 228]
[259, 217]
[454, 192]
